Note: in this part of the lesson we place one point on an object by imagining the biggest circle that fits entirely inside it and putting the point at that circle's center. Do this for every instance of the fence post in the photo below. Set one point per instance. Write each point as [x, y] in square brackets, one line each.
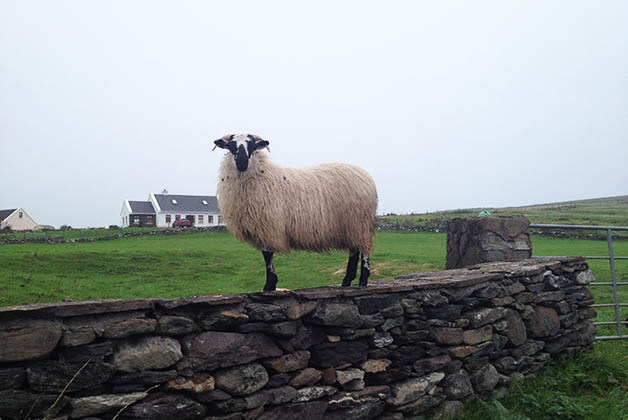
[609, 237]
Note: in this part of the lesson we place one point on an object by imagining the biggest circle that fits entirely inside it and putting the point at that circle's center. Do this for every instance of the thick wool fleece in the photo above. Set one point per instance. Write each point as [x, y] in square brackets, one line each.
[329, 206]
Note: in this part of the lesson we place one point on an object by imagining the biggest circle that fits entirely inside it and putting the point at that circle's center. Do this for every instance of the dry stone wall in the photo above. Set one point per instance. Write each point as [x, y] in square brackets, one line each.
[420, 345]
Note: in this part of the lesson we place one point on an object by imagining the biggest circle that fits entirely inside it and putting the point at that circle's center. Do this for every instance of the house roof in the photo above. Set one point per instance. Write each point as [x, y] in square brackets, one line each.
[6, 213]
[141, 207]
[187, 203]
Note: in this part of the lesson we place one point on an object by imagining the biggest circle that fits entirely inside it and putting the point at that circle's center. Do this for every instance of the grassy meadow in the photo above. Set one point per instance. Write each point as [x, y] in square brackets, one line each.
[610, 211]
[188, 264]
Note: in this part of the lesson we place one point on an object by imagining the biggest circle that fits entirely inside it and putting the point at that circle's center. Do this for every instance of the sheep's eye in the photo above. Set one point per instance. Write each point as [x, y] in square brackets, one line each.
[250, 145]
[233, 147]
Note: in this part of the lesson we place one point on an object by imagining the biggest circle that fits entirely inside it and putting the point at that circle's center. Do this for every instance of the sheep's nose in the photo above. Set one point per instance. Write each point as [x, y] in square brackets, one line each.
[241, 159]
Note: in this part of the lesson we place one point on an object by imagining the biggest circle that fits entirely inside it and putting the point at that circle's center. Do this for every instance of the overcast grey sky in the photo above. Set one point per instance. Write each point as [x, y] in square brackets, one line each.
[447, 104]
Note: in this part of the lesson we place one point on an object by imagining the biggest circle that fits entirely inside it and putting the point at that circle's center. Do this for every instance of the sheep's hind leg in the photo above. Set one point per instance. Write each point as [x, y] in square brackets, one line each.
[271, 276]
[365, 270]
[352, 268]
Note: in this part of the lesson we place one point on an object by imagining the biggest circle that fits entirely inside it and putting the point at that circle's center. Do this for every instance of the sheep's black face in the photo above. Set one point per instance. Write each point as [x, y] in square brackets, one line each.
[242, 148]
[242, 158]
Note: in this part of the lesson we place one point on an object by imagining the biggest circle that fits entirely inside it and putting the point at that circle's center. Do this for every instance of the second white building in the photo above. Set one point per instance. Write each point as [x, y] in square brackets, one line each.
[162, 210]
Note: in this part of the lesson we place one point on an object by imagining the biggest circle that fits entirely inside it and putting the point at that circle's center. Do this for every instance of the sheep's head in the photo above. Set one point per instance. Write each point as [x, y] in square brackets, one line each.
[242, 147]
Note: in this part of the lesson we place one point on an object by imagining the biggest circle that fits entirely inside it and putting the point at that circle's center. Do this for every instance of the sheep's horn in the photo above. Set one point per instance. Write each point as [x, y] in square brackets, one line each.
[268, 148]
[214, 148]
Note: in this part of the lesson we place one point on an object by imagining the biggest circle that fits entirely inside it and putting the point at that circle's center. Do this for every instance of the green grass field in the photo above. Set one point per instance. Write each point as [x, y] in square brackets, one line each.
[187, 264]
[610, 211]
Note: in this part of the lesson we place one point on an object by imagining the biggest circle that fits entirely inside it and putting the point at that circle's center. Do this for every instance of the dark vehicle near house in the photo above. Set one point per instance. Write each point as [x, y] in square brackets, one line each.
[182, 223]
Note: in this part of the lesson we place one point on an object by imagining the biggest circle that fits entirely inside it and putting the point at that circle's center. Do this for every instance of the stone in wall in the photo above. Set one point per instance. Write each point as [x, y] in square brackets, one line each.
[19, 404]
[242, 380]
[100, 404]
[55, 376]
[26, 339]
[12, 378]
[211, 350]
[147, 353]
[166, 406]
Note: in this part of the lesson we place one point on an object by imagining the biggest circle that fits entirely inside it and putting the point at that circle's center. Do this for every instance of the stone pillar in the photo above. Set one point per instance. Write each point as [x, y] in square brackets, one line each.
[486, 239]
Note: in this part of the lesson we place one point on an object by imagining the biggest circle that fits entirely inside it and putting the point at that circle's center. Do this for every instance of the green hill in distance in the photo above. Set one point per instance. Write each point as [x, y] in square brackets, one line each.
[607, 211]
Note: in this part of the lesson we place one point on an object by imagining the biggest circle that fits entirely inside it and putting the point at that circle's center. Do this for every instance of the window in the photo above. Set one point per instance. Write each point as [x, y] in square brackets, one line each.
[177, 217]
[174, 201]
[168, 218]
[200, 218]
[136, 220]
[210, 219]
[20, 215]
[205, 203]
[219, 219]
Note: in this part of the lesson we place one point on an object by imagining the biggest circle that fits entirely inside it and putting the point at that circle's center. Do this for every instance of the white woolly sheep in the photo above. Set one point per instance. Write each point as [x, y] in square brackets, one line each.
[276, 209]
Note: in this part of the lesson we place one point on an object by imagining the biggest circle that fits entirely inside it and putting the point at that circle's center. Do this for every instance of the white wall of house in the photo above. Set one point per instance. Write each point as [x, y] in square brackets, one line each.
[205, 222]
[124, 213]
[161, 221]
[19, 220]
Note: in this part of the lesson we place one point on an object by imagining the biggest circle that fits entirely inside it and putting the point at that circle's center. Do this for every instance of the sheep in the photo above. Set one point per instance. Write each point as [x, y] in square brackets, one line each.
[276, 209]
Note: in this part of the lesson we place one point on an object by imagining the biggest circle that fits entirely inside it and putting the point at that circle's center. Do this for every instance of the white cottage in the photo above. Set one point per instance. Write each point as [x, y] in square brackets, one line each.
[17, 219]
[162, 210]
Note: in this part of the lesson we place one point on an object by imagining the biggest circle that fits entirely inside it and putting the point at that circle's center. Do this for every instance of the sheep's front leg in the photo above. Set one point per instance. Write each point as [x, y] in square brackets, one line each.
[365, 270]
[352, 268]
[271, 276]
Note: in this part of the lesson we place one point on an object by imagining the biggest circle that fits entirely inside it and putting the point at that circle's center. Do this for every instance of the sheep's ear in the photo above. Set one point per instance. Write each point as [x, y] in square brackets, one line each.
[261, 144]
[221, 143]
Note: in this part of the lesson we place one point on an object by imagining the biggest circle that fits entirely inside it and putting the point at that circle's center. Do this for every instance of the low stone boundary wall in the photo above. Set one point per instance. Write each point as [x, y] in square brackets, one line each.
[60, 238]
[422, 344]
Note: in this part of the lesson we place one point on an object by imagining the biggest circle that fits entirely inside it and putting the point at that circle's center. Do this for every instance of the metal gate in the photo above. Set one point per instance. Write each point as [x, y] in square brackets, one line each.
[613, 283]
